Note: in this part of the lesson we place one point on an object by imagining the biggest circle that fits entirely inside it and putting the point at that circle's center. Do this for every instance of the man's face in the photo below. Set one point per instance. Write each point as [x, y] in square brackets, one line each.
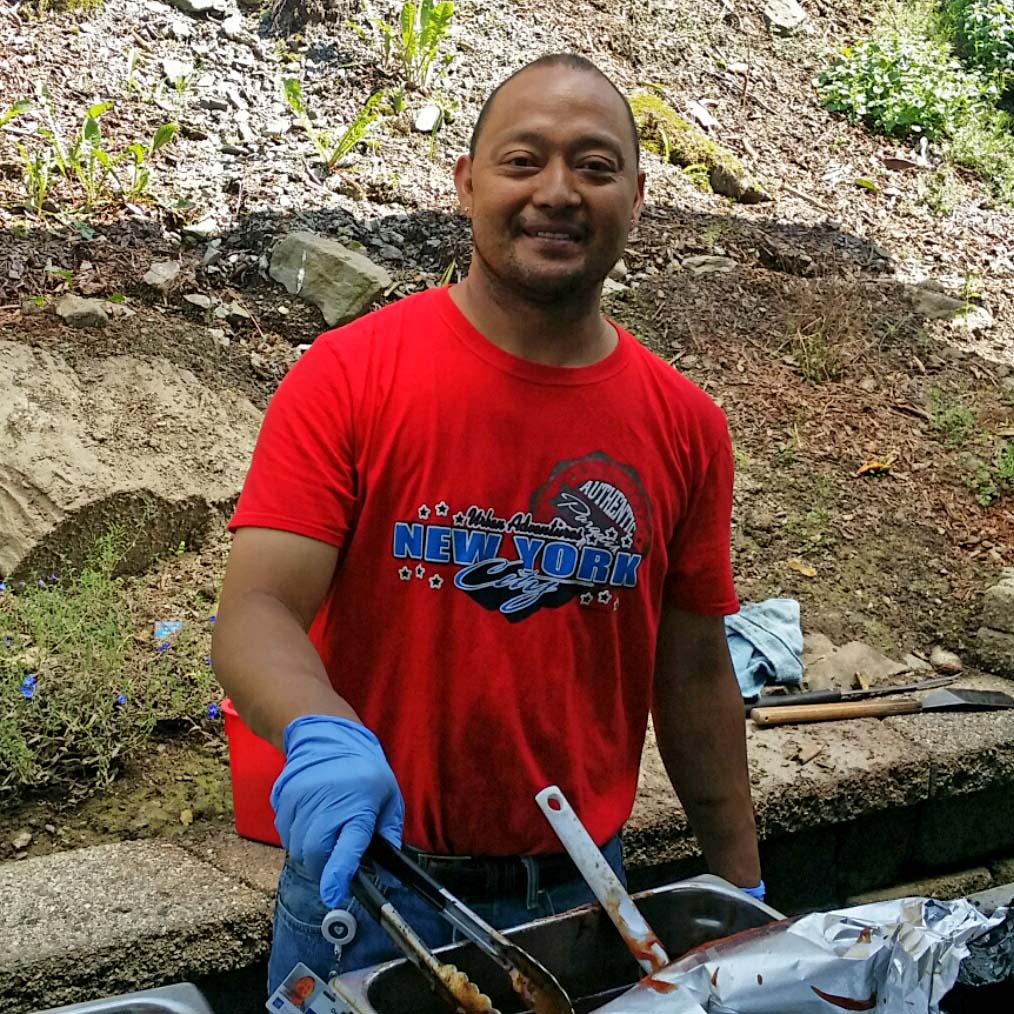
[554, 188]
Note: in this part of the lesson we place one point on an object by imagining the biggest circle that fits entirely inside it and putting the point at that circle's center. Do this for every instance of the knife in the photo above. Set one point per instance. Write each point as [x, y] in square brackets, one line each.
[835, 696]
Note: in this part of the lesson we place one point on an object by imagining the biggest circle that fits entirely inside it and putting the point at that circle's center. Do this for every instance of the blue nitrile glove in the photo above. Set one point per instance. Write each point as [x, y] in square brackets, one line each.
[757, 892]
[336, 788]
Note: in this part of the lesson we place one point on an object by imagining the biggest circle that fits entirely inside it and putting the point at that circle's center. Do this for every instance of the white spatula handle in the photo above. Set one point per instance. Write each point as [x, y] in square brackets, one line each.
[605, 885]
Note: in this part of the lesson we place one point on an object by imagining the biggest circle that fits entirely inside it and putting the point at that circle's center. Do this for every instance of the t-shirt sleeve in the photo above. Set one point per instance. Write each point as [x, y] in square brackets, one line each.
[699, 578]
[302, 477]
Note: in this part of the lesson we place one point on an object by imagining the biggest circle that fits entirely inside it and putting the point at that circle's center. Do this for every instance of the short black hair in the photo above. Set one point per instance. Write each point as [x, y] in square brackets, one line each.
[572, 61]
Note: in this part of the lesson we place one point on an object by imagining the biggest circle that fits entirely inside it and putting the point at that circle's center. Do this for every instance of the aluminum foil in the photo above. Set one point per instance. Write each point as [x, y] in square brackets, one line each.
[892, 957]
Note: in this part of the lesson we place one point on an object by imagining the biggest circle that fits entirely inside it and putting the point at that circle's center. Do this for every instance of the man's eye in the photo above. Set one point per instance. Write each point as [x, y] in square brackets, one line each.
[520, 161]
[598, 166]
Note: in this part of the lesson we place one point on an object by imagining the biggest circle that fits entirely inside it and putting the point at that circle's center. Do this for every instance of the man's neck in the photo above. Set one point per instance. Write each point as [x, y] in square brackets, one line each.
[562, 334]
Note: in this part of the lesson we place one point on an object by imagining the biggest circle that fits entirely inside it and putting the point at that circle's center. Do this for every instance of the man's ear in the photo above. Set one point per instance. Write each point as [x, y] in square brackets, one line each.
[635, 215]
[463, 182]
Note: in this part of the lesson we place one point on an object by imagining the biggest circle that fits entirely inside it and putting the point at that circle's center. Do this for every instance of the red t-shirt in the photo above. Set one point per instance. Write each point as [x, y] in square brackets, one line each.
[507, 532]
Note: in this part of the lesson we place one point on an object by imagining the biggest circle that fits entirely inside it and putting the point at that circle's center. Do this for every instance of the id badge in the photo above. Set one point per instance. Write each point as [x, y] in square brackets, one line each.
[302, 992]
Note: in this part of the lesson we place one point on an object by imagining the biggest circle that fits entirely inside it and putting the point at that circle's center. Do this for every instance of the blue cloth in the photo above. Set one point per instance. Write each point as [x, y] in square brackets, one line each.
[299, 913]
[335, 790]
[766, 645]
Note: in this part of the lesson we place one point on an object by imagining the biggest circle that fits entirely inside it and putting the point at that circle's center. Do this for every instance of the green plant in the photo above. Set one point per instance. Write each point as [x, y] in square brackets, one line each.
[941, 191]
[332, 153]
[984, 32]
[985, 144]
[902, 85]
[699, 175]
[813, 353]
[989, 482]
[84, 159]
[78, 695]
[953, 423]
[414, 43]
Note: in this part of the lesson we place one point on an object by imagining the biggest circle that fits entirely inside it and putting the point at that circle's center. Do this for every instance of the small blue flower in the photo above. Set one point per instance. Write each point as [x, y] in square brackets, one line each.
[213, 617]
[121, 699]
[7, 642]
[29, 680]
[207, 660]
[3, 586]
[52, 579]
[162, 646]
[27, 687]
[42, 584]
[212, 711]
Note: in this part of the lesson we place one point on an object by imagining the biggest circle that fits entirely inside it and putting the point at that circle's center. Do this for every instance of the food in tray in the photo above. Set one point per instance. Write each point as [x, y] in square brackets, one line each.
[466, 992]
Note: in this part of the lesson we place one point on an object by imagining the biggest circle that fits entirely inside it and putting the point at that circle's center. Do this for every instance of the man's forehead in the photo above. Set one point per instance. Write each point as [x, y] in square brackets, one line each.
[532, 101]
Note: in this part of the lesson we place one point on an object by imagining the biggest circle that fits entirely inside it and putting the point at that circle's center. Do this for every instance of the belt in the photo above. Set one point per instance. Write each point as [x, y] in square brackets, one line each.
[485, 878]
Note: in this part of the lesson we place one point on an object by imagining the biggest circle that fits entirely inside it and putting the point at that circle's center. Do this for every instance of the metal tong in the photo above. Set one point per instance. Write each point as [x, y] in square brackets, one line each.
[534, 983]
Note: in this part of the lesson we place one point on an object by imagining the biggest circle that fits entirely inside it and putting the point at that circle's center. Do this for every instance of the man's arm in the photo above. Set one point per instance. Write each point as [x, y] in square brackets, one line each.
[698, 719]
[274, 584]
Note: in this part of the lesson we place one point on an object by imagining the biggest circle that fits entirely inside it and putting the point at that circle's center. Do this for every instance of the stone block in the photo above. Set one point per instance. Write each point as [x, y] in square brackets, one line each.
[250, 862]
[944, 887]
[968, 752]
[799, 870]
[340, 282]
[827, 773]
[838, 669]
[115, 918]
[874, 850]
[998, 606]
[994, 650]
[964, 829]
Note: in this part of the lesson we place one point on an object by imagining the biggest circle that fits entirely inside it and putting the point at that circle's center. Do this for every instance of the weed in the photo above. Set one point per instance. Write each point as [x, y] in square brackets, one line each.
[813, 353]
[985, 144]
[991, 481]
[74, 700]
[941, 191]
[84, 160]
[414, 43]
[954, 424]
[712, 233]
[332, 153]
[700, 175]
[984, 33]
[902, 85]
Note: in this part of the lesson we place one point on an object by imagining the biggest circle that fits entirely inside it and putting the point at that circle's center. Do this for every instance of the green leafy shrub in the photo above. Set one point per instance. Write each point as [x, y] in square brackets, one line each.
[901, 85]
[332, 151]
[984, 32]
[414, 43]
[78, 692]
[83, 160]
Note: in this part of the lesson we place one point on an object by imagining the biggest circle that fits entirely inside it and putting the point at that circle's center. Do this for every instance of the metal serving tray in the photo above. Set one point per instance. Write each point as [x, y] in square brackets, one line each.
[181, 998]
[581, 948]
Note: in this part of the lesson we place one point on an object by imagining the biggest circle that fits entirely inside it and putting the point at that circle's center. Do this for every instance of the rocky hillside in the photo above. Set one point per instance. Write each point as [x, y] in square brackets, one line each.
[855, 318]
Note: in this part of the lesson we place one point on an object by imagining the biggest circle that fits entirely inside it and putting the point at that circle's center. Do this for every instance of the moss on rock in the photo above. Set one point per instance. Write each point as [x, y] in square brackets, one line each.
[663, 131]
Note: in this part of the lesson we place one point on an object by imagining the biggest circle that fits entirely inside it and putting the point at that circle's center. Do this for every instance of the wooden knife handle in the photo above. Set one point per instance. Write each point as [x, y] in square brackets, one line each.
[831, 712]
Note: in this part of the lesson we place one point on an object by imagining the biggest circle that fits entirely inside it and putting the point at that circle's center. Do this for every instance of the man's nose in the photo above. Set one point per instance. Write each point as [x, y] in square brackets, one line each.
[555, 186]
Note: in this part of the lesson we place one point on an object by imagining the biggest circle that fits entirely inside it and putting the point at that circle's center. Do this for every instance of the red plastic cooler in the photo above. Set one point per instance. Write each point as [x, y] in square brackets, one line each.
[254, 764]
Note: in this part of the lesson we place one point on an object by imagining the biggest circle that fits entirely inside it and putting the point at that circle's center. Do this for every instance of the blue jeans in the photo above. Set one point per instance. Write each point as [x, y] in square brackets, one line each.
[299, 912]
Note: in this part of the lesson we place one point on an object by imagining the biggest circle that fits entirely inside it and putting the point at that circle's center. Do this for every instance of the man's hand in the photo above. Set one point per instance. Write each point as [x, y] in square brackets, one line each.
[336, 788]
[698, 718]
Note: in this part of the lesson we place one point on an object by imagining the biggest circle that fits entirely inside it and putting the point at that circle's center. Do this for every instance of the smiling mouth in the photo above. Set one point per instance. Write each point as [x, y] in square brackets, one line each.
[560, 236]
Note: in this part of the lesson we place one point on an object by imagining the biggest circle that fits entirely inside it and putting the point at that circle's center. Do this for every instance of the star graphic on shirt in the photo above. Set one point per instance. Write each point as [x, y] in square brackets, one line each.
[405, 573]
[420, 571]
[605, 595]
[442, 509]
[459, 519]
[424, 512]
[436, 581]
[586, 599]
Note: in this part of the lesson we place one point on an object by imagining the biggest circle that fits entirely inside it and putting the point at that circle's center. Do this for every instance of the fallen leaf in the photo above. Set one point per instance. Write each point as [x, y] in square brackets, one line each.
[898, 164]
[874, 467]
[802, 567]
[186, 817]
[867, 184]
[860, 682]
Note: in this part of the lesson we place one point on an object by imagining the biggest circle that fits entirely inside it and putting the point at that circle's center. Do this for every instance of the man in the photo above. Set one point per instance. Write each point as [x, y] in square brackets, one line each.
[483, 534]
